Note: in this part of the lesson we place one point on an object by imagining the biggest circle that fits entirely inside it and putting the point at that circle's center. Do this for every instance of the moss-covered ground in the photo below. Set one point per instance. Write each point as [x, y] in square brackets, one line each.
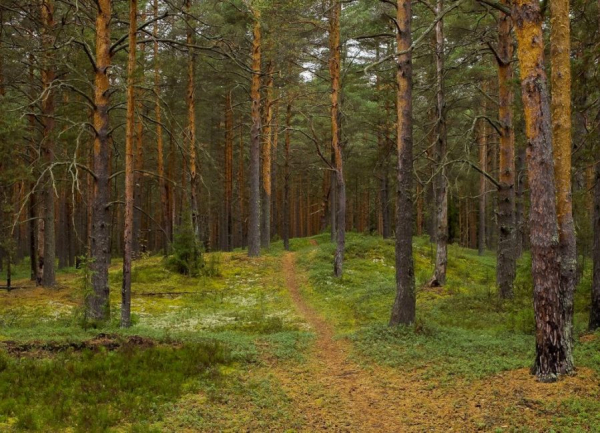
[242, 350]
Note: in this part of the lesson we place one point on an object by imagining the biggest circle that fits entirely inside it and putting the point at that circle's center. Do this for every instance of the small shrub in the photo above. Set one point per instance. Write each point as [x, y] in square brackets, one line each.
[187, 255]
[212, 267]
[84, 290]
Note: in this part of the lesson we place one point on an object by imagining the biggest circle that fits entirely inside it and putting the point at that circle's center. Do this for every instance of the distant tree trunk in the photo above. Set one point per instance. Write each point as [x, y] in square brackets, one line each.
[254, 221]
[595, 306]
[473, 240]
[33, 205]
[172, 190]
[162, 184]
[139, 243]
[241, 184]
[520, 193]
[420, 218]
[90, 203]
[386, 231]
[286, 179]
[2, 88]
[560, 58]
[265, 229]
[8, 271]
[336, 145]
[545, 250]
[64, 231]
[228, 220]
[507, 257]
[386, 226]
[129, 171]
[387, 217]
[333, 201]
[275, 143]
[98, 301]
[40, 243]
[482, 136]
[383, 145]
[191, 129]
[47, 74]
[70, 222]
[441, 183]
[404, 308]
[33, 234]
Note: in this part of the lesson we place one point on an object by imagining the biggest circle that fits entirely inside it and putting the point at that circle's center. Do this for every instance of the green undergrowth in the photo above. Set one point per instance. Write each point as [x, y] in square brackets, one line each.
[246, 296]
[248, 401]
[463, 330]
[94, 390]
[216, 338]
[208, 332]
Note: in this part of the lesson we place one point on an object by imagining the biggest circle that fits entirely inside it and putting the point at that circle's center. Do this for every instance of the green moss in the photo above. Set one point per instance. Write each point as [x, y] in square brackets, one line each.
[92, 391]
[242, 314]
[463, 330]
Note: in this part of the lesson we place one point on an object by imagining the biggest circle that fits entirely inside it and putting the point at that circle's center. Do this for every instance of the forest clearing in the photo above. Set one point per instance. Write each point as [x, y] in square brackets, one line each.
[299, 215]
[278, 344]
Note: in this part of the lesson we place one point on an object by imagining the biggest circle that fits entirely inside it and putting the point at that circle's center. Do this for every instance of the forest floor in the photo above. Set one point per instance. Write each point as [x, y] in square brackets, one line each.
[278, 344]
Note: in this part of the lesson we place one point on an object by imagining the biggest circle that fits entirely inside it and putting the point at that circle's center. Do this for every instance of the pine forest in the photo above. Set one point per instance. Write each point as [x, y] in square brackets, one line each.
[300, 215]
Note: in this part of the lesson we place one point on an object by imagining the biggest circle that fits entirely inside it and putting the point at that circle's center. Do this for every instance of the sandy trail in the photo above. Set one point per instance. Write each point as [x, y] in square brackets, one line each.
[335, 393]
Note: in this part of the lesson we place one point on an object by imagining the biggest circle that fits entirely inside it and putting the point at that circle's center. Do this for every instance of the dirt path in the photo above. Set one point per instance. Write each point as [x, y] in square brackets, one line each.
[334, 392]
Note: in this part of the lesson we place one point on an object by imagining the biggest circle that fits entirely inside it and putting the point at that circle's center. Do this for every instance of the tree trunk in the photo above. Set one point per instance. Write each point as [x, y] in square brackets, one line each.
[520, 197]
[545, 253]
[383, 141]
[336, 145]
[595, 306]
[63, 231]
[70, 222]
[241, 185]
[191, 128]
[441, 183]
[98, 301]
[162, 184]
[404, 308]
[47, 75]
[274, 145]
[286, 179]
[40, 244]
[507, 257]
[2, 88]
[33, 233]
[228, 217]
[482, 136]
[420, 219]
[561, 137]
[333, 201]
[275, 228]
[254, 221]
[473, 240]
[138, 179]
[129, 171]
[265, 215]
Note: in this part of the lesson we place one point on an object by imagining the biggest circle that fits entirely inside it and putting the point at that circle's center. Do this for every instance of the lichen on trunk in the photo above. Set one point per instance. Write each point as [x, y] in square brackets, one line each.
[550, 359]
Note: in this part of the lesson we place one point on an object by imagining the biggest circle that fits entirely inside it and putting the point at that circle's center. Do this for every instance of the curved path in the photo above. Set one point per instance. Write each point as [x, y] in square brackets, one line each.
[336, 393]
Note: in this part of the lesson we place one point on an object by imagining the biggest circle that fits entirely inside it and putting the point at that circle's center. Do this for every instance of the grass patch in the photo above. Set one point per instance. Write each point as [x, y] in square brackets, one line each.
[444, 354]
[94, 390]
[463, 330]
[210, 331]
